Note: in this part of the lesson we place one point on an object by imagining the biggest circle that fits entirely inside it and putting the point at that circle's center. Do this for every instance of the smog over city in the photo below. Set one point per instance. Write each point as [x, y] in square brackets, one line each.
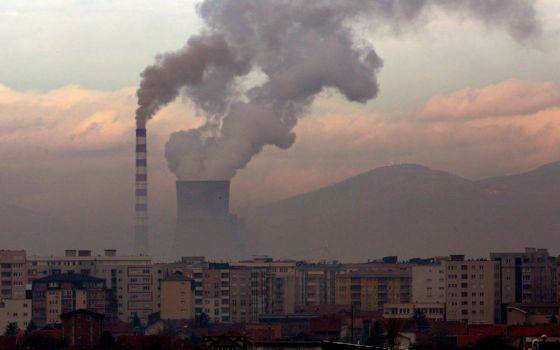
[280, 174]
[314, 130]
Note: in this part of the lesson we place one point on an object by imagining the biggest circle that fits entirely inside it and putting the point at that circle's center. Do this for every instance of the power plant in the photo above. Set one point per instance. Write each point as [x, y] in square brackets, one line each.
[141, 191]
[204, 224]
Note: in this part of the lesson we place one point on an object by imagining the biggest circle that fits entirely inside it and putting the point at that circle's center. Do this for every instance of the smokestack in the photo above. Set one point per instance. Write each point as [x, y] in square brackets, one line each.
[204, 224]
[141, 208]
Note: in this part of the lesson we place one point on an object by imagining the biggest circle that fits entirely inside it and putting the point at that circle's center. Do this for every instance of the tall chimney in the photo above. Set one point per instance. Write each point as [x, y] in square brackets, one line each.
[141, 208]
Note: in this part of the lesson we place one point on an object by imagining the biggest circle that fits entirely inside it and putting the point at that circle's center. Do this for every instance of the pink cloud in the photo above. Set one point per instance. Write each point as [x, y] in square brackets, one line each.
[507, 98]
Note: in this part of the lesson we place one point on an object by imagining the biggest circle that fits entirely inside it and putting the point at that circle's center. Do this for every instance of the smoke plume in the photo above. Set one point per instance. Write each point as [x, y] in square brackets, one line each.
[289, 51]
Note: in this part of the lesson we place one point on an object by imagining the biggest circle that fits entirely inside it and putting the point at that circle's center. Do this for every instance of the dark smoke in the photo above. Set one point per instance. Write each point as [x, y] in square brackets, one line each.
[301, 48]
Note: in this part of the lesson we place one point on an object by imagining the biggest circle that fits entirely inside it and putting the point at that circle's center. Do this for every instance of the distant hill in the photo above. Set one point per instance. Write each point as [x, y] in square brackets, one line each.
[410, 210]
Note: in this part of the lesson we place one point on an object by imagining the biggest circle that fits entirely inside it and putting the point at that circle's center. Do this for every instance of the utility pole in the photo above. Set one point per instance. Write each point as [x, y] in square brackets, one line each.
[352, 323]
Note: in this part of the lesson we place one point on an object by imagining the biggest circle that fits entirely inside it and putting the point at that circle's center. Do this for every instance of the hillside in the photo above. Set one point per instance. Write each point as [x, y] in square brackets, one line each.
[410, 210]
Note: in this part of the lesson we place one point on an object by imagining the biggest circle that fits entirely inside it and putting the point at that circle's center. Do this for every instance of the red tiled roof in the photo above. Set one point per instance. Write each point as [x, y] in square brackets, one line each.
[534, 331]
[261, 332]
[325, 324]
[484, 330]
[449, 327]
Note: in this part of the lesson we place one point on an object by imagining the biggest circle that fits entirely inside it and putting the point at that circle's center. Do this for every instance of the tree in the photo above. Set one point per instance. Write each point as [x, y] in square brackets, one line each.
[107, 341]
[492, 343]
[440, 341]
[41, 342]
[153, 318]
[31, 327]
[11, 329]
[377, 338]
[202, 320]
[137, 324]
[392, 330]
[421, 321]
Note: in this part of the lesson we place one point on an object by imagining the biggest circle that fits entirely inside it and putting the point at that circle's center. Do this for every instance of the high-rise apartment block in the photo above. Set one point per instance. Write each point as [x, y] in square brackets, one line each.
[472, 290]
[317, 283]
[370, 286]
[527, 277]
[176, 301]
[279, 280]
[61, 293]
[13, 274]
[129, 279]
[428, 283]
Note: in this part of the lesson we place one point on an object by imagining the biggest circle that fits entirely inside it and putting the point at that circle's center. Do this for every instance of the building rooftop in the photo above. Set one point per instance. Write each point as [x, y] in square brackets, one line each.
[176, 277]
[82, 312]
[69, 277]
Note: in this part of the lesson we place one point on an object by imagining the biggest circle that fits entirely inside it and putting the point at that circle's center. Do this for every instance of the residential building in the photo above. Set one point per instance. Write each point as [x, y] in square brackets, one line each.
[16, 311]
[472, 290]
[130, 279]
[62, 293]
[317, 283]
[232, 294]
[527, 277]
[13, 274]
[428, 283]
[369, 286]
[177, 298]
[431, 311]
[281, 280]
[82, 329]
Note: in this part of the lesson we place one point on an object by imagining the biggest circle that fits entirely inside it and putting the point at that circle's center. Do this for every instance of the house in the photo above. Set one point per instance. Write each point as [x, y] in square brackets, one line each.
[82, 329]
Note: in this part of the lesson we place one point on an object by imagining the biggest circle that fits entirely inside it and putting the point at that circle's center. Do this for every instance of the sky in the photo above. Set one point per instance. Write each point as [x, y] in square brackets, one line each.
[455, 95]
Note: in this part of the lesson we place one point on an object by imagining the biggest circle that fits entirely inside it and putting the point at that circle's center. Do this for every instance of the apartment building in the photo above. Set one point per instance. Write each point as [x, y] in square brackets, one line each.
[16, 311]
[280, 277]
[317, 283]
[130, 279]
[237, 292]
[13, 274]
[61, 293]
[370, 286]
[177, 298]
[428, 284]
[472, 290]
[191, 267]
[528, 277]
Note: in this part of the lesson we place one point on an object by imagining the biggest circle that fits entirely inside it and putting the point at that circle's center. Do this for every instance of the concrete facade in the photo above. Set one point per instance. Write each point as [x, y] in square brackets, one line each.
[528, 277]
[13, 274]
[369, 286]
[177, 298]
[472, 290]
[428, 284]
[15, 311]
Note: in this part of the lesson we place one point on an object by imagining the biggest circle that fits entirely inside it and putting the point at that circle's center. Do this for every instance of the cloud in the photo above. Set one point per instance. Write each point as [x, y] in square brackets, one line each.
[507, 127]
[507, 98]
[69, 152]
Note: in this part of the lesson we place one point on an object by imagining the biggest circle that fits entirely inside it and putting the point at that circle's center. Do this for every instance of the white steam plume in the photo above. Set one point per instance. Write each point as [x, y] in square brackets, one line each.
[301, 47]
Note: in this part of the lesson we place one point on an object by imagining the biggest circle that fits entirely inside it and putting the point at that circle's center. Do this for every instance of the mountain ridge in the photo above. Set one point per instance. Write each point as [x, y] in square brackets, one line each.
[373, 213]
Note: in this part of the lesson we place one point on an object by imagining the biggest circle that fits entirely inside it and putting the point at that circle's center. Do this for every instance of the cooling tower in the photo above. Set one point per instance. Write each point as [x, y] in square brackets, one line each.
[204, 224]
[141, 191]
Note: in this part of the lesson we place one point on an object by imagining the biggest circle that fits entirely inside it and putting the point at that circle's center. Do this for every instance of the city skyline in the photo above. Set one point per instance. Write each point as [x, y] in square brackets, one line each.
[478, 107]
